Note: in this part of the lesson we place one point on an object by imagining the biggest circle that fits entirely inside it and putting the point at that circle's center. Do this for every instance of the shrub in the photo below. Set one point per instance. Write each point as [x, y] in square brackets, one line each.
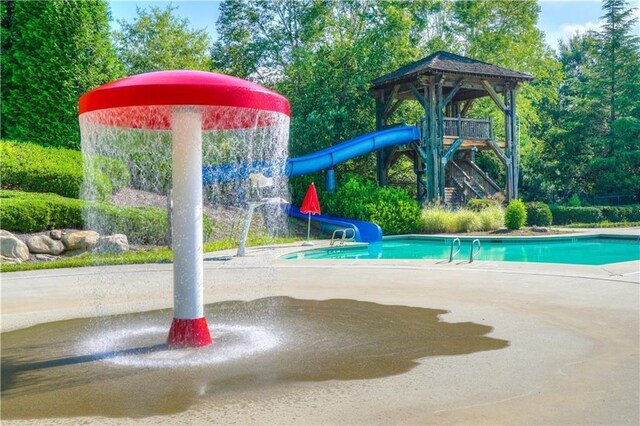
[479, 204]
[574, 201]
[439, 219]
[466, 221]
[565, 215]
[516, 215]
[538, 214]
[492, 218]
[34, 212]
[31, 167]
[391, 208]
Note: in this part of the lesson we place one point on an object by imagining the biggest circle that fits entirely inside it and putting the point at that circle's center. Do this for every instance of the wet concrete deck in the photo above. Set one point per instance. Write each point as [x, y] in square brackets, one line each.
[572, 332]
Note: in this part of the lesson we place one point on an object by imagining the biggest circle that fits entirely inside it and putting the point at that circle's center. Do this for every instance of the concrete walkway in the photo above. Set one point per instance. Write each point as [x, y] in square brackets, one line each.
[573, 333]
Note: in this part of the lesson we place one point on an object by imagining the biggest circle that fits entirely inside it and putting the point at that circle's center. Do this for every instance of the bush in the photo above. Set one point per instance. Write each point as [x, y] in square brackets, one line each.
[30, 167]
[516, 215]
[391, 208]
[574, 201]
[479, 204]
[439, 219]
[34, 212]
[538, 214]
[565, 215]
[492, 218]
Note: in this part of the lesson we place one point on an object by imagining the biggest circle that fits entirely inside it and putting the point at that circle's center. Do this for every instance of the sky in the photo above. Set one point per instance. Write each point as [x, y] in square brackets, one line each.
[559, 19]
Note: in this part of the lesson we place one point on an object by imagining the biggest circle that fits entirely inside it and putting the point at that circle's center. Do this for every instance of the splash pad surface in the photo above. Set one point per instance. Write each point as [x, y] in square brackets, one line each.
[545, 312]
[162, 126]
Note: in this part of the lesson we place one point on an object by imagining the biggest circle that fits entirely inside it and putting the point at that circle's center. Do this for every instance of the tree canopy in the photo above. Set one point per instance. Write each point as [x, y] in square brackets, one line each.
[157, 39]
[53, 52]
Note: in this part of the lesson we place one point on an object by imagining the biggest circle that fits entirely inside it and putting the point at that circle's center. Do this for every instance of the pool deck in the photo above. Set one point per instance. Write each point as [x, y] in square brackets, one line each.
[573, 332]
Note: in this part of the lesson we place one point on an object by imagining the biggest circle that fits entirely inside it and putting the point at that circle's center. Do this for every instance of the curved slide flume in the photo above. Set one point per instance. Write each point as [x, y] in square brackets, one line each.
[325, 159]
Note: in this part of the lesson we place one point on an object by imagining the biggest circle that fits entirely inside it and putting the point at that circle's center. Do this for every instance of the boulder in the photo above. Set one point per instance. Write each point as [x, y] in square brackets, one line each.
[12, 250]
[116, 244]
[42, 244]
[80, 240]
[56, 234]
[45, 257]
[539, 229]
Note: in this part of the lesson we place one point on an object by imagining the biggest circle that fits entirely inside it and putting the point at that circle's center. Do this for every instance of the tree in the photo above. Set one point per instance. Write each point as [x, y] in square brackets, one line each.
[56, 51]
[619, 67]
[158, 40]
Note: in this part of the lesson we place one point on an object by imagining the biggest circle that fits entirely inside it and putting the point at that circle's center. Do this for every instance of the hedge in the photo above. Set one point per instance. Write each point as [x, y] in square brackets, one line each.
[30, 167]
[515, 216]
[538, 214]
[563, 215]
[35, 212]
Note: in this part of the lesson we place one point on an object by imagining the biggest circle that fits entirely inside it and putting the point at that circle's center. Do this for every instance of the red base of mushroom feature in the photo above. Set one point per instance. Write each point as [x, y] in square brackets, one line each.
[189, 333]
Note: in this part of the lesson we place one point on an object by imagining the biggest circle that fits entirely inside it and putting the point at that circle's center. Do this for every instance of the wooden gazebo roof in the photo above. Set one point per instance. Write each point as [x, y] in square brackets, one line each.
[448, 63]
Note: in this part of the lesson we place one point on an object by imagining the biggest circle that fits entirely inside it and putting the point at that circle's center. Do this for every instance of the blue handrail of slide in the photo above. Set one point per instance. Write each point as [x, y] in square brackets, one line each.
[321, 160]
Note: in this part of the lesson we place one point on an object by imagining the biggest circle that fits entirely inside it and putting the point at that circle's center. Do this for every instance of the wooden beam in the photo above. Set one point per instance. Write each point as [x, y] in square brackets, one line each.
[499, 153]
[452, 93]
[417, 95]
[393, 108]
[465, 109]
[493, 95]
[387, 104]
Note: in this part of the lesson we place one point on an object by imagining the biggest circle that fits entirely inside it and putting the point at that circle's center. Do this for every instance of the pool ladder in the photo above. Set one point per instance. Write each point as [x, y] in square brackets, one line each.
[472, 254]
[340, 236]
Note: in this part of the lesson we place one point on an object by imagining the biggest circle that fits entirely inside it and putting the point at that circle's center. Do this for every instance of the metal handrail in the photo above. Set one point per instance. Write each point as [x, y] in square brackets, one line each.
[451, 253]
[343, 238]
[472, 255]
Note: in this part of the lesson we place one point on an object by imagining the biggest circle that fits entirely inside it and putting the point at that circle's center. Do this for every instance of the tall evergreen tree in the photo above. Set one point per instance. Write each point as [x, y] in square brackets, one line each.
[58, 50]
[620, 59]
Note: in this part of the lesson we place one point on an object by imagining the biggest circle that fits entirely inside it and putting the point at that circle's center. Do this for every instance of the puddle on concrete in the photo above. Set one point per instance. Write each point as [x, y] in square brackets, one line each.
[119, 367]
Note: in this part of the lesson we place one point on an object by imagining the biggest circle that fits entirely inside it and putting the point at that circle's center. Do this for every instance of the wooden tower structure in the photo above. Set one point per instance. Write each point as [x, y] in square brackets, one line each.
[446, 85]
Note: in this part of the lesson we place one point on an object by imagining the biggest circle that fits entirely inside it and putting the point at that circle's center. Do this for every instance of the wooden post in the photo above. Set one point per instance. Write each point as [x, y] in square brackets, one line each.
[514, 141]
[433, 140]
[509, 144]
[440, 132]
[380, 154]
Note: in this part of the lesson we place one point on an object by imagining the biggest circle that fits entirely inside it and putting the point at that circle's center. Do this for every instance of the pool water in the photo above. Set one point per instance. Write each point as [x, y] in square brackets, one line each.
[579, 250]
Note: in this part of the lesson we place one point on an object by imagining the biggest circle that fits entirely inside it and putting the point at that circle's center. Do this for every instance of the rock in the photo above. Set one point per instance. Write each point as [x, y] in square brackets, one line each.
[45, 257]
[540, 229]
[80, 240]
[41, 244]
[56, 234]
[116, 243]
[12, 250]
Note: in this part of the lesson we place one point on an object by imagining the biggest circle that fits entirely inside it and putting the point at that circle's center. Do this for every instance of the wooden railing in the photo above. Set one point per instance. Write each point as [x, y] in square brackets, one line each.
[468, 128]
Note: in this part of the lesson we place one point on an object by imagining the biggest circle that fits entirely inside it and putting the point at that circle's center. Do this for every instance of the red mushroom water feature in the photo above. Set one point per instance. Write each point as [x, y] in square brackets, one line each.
[186, 104]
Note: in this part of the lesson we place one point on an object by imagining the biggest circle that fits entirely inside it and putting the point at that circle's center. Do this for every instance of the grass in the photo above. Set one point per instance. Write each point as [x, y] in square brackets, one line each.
[158, 255]
[439, 219]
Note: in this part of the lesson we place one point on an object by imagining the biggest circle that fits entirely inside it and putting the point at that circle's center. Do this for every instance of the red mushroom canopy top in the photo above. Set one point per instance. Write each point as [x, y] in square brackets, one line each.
[145, 101]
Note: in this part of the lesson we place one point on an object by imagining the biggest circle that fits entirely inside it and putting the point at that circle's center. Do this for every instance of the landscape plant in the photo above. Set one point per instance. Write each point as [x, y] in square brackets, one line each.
[31, 167]
[515, 216]
[439, 219]
[35, 212]
[538, 214]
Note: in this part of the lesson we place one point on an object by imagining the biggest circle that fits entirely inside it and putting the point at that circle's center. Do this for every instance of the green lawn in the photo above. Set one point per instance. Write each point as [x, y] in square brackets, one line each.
[159, 255]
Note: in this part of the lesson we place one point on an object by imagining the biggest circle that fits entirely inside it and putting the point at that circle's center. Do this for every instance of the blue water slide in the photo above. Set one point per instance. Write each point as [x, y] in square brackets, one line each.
[325, 159]
[365, 232]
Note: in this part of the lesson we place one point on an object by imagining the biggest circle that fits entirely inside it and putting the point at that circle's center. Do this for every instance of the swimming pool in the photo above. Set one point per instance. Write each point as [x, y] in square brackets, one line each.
[579, 250]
